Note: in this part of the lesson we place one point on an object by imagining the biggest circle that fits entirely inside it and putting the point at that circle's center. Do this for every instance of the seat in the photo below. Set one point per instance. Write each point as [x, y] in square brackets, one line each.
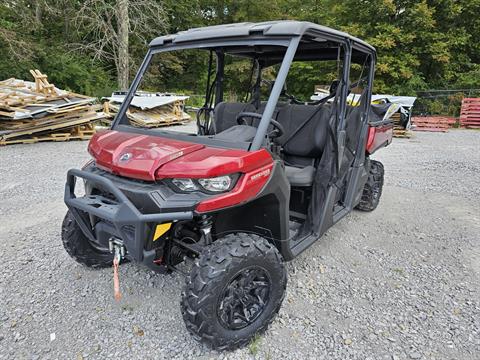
[243, 133]
[225, 119]
[225, 115]
[301, 148]
[300, 176]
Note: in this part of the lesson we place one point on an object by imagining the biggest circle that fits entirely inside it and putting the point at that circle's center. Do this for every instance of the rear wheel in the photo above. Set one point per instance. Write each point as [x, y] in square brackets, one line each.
[234, 291]
[372, 190]
[80, 248]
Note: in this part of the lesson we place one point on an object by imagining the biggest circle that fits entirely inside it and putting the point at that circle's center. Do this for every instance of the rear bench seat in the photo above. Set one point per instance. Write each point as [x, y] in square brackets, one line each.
[301, 150]
[307, 145]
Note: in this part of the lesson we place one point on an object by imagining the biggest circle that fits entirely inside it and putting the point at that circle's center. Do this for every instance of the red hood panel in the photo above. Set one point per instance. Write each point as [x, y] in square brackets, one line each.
[148, 157]
[136, 156]
[211, 162]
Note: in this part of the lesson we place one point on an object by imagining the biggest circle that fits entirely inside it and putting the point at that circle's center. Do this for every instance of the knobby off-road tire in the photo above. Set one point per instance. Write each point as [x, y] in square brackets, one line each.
[79, 247]
[218, 276]
[372, 190]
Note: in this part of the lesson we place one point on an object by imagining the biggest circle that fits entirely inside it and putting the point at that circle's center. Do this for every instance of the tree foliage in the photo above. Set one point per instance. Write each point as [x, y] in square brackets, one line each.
[421, 44]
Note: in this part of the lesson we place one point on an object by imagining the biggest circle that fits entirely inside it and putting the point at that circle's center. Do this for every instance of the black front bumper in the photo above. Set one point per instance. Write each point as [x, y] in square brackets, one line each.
[118, 216]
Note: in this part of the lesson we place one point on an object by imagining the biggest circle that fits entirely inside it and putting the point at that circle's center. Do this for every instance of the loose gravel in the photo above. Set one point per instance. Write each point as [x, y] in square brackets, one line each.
[399, 283]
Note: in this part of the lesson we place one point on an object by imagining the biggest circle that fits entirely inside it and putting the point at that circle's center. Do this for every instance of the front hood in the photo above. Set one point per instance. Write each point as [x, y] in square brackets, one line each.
[151, 158]
[136, 156]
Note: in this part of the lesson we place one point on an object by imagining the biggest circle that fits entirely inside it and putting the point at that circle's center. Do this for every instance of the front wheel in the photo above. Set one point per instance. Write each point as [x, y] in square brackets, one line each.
[372, 190]
[234, 291]
[80, 248]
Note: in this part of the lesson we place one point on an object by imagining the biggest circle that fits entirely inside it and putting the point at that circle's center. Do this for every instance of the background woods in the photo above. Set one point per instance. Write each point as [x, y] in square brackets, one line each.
[95, 46]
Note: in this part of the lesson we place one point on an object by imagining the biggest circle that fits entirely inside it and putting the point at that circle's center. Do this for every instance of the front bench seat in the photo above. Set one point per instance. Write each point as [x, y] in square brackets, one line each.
[225, 115]
[241, 133]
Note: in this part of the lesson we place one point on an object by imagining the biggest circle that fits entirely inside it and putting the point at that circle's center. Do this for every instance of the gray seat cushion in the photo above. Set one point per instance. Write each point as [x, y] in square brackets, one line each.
[300, 176]
[237, 133]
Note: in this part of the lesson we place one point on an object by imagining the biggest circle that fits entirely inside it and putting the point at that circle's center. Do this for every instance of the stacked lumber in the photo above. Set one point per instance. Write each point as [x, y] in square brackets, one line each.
[151, 110]
[470, 113]
[38, 111]
[433, 123]
[399, 131]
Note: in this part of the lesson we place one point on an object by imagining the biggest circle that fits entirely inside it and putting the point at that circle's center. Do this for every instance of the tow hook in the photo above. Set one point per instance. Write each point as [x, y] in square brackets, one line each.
[116, 247]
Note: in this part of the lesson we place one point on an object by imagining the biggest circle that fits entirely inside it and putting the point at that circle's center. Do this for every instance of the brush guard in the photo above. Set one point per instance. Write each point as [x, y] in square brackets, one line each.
[127, 222]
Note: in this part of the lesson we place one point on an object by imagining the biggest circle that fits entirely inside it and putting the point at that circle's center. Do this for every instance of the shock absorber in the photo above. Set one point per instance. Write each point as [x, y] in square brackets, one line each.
[205, 225]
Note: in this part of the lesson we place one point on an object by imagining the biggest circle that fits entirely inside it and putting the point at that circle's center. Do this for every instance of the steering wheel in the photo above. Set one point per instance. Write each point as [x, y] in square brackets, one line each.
[241, 120]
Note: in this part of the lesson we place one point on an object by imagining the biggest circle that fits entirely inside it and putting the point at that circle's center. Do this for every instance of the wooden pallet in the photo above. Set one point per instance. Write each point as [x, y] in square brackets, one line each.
[32, 112]
[402, 133]
[167, 115]
[470, 113]
[18, 95]
[433, 123]
[51, 126]
[42, 85]
[399, 131]
[84, 132]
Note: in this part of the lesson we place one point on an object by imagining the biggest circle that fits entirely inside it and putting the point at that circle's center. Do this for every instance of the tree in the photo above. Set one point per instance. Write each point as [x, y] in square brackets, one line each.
[421, 44]
[106, 29]
[123, 22]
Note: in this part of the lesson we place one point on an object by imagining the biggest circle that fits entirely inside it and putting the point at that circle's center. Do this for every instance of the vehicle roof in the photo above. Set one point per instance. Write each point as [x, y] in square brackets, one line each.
[288, 28]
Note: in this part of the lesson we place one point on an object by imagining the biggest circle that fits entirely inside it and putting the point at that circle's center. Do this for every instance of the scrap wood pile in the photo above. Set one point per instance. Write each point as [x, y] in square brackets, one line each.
[38, 111]
[470, 113]
[433, 123]
[399, 129]
[401, 106]
[151, 109]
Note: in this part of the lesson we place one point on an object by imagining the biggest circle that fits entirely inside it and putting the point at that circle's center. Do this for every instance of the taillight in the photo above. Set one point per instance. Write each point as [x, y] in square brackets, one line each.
[370, 138]
[378, 136]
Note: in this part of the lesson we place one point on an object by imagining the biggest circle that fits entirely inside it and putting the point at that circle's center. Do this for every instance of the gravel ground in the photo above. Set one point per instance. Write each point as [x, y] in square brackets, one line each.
[401, 282]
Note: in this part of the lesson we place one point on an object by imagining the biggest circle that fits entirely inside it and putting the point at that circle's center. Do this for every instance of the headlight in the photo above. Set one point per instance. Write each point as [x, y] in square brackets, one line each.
[216, 184]
[185, 184]
[209, 185]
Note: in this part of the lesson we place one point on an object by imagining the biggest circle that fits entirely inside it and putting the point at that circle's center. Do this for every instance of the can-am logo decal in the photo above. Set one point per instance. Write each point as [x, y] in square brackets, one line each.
[125, 157]
[176, 155]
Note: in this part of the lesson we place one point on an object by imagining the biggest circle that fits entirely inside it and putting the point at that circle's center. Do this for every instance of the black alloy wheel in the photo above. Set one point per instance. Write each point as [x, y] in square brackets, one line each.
[245, 298]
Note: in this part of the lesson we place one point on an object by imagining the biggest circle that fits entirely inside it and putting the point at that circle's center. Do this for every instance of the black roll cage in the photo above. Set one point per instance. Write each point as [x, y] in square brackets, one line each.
[313, 45]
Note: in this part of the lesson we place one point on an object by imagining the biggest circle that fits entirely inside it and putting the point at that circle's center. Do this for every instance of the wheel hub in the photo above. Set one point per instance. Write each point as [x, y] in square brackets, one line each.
[244, 298]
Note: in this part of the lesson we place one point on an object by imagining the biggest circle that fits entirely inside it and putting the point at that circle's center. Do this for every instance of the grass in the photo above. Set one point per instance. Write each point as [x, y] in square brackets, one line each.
[255, 345]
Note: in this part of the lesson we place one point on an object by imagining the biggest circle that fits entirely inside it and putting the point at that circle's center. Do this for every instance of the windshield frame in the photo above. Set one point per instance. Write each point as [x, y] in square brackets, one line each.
[291, 43]
[120, 121]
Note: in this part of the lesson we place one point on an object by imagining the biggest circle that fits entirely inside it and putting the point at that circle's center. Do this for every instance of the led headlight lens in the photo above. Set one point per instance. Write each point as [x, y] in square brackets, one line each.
[216, 184]
[185, 184]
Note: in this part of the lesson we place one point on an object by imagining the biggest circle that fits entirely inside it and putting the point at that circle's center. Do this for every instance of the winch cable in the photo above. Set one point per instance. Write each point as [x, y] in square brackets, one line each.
[117, 256]
[116, 280]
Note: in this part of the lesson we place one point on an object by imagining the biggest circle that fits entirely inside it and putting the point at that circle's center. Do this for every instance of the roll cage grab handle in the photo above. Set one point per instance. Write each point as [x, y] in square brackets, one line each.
[274, 94]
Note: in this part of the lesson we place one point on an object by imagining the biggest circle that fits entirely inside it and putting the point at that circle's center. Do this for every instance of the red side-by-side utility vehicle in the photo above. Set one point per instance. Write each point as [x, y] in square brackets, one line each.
[257, 182]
